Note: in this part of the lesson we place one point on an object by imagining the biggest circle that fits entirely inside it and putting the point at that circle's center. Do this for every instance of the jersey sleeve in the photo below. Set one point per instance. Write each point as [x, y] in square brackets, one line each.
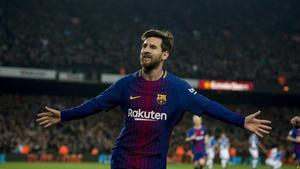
[193, 102]
[106, 100]
[292, 133]
[190, 132]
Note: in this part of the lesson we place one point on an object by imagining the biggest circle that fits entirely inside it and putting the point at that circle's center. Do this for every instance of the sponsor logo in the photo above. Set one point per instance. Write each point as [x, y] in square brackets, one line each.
[146, 115]
[161, 99]
[193, 91]
[134, 97]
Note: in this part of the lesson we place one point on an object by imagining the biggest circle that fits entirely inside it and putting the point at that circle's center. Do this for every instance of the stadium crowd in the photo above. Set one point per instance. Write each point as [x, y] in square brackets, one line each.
[213, 40]
[18, 127]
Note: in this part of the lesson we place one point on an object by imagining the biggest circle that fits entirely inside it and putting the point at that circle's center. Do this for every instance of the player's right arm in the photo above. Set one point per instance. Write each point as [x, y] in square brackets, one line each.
[106, 100]
[190, 135]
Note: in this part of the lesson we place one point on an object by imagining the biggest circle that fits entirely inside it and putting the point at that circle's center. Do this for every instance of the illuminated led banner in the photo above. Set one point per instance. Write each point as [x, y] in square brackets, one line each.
[226, 85]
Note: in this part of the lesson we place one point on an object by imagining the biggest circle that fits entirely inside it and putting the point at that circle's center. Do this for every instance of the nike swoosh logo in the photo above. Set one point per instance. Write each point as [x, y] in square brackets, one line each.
[134, 97]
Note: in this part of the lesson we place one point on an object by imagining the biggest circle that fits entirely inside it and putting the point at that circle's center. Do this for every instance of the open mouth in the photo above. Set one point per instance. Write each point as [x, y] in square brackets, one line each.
[147, 56]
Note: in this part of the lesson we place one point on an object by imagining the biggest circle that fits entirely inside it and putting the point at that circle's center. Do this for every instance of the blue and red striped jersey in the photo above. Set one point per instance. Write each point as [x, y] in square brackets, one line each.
[295, 133]
[151, 109]
[198, 145]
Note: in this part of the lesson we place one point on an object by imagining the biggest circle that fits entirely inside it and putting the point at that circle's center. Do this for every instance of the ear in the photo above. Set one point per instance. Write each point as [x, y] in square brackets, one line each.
[165, 55]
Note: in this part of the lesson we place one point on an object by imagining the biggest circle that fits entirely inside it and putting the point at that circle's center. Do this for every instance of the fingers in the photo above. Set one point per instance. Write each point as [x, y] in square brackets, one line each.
[263, 131]
[48, 118]
[265, 127]
[257, 133]
[264, 121]
[45, 114]
[44, 122]
[42, 119]
[255, 114]
[251, 116]
[51, 110]
[48, 125]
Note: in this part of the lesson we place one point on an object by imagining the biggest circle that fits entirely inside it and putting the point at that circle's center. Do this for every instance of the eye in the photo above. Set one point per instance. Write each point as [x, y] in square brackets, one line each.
[144, 45]
[153, 47]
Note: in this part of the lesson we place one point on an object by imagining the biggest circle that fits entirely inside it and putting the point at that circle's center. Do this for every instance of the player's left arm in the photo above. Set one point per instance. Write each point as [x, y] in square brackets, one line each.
[192, 101]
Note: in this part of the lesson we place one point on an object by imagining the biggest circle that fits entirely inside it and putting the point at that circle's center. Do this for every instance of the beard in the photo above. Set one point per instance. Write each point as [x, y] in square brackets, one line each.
[154, 63]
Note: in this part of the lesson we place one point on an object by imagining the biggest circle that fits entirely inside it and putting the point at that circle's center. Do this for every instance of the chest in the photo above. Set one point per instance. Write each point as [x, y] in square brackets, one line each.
[199, 132]
[156, 96]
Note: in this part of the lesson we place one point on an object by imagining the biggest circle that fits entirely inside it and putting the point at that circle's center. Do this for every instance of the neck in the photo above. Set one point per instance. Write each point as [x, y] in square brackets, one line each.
[197, 126]
[153, 74]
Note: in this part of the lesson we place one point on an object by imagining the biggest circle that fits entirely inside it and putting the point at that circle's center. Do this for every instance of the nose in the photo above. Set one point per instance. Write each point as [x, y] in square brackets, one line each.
[145, 51]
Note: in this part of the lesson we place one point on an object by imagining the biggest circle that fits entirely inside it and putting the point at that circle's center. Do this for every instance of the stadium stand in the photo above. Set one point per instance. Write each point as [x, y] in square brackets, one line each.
[239, 44]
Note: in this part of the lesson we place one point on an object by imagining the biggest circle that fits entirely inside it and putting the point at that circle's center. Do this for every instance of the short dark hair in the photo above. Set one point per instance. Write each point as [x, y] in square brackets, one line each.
[166, 36]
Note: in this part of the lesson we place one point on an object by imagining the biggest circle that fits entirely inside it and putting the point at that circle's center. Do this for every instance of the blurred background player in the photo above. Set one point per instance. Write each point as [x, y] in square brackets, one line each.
[211, 148]
[295, 121]
[274, 161]
[224, 146]
[294, 137]
[198, 136]
[254, 144]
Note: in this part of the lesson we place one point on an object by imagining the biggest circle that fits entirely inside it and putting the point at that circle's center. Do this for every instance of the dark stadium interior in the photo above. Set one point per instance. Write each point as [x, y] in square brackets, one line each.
[214, 39]
[255, 41]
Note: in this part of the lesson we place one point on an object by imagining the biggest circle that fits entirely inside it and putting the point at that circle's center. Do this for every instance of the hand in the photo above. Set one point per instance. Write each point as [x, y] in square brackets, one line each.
[48, 118]
[193, 137]
[257, 126]
[295, 121]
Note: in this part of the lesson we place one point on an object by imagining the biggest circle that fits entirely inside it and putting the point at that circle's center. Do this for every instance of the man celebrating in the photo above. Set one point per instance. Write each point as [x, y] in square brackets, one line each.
[152, 101]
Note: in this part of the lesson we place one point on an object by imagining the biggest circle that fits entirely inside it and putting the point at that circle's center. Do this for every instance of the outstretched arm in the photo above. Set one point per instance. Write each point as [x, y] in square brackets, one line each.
[198, 104]
[107, 99]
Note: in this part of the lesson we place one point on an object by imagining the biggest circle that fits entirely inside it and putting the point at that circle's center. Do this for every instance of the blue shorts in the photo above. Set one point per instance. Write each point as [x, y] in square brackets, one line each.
[199, 155]
[298, 156]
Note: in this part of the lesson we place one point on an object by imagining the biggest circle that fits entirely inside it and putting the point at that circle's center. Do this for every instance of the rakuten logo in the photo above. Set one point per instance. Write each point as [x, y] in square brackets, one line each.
[146, 116]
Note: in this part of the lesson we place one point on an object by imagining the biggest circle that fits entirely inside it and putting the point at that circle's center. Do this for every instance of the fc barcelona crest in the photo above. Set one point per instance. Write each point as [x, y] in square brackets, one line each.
[161, 99]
